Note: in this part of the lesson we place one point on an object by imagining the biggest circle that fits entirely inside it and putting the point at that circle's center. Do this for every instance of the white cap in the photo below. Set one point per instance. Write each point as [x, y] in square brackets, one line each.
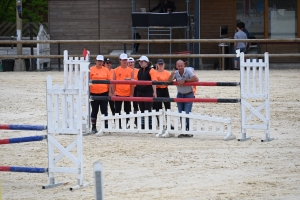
[143, 58]
[130, 59]
[100, 57]
[123, 56]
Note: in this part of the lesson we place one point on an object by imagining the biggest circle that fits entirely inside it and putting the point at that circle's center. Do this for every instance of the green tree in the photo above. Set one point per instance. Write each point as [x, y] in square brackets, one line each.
[37, 10]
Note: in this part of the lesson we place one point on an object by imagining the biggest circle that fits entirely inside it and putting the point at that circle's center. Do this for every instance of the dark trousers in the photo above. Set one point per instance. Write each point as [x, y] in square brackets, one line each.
[162, 92]
[127, 108]
[95, 104]
[112, 107]
[146, 105]
[135, 104]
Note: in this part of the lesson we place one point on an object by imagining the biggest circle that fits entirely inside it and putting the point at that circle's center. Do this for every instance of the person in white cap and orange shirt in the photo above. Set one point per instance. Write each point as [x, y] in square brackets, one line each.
[146, 73]
[123, 72]
[99, 72]
[131, 63]
[107, 64]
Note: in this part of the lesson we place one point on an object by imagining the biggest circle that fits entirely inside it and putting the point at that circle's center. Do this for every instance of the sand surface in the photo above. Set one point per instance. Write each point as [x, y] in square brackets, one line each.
[141, 166]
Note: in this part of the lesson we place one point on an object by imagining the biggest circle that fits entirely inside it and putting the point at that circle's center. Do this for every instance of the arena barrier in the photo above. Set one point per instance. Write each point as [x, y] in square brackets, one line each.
[64, 117]
[204, 124]
[254, 85]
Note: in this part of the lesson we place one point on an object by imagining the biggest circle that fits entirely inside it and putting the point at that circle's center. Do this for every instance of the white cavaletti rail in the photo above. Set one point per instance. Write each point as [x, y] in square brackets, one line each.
[198, 125]
[156, 128]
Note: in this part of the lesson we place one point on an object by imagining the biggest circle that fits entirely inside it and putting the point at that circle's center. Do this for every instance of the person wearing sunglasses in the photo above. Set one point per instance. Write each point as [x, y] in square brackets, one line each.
[162, 90]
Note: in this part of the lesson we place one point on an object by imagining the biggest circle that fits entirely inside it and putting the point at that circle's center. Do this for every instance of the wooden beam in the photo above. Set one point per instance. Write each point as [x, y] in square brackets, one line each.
[266, 19]
[298, 18]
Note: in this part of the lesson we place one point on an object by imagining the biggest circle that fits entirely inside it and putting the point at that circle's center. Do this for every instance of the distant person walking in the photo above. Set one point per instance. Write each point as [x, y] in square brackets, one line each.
[239, 45]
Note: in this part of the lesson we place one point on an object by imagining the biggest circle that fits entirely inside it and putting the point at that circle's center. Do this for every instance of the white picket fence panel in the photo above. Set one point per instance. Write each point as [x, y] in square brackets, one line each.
[203, 124]
[76, 72]
[63, 105]
[255, 95]
[198, 125]
[113, 123]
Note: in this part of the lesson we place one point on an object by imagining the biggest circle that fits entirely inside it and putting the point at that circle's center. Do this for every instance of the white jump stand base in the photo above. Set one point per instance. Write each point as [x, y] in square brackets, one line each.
[76, 187]
[244, 138]
[52, 184]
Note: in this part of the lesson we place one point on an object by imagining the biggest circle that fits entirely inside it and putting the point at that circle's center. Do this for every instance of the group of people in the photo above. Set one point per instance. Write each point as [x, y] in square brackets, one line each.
[147, 72]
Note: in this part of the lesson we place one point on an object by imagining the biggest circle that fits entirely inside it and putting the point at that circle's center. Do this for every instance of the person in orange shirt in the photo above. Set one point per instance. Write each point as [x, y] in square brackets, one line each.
[146, 73]
[98, 72]
[162, 90]
[107, 64]
[123, 72]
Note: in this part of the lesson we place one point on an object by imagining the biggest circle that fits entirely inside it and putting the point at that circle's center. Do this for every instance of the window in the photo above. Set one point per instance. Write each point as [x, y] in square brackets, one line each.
[282, 18]
[251, 12]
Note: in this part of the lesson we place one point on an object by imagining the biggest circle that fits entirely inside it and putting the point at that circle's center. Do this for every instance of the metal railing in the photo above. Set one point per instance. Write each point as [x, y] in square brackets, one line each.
[286, 40]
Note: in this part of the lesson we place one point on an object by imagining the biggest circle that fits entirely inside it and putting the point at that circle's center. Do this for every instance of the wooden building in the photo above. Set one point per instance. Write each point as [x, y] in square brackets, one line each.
[111, 19]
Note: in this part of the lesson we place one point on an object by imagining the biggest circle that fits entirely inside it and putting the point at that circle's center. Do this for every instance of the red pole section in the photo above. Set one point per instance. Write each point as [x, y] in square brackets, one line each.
[4, 168]
[4, 126]
[133, 82]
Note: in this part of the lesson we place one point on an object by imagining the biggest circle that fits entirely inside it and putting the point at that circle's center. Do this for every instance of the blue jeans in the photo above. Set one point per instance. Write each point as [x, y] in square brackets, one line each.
[185, 106]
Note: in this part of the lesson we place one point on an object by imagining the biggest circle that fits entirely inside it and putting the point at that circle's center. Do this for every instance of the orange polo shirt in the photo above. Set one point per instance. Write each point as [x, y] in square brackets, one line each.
[123, 74]
[99, 74]
[135, 71]
[162, 76]
[111, 73]
[152, 73]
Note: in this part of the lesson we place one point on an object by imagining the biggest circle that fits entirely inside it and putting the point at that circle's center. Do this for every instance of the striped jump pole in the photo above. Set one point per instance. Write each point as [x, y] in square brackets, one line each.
[23, 127]
[23, 139]
[23, 169]
[132, 82]
[165, 99]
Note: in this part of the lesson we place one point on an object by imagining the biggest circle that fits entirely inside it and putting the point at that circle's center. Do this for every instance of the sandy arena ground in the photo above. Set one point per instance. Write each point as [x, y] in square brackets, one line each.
[141, 166]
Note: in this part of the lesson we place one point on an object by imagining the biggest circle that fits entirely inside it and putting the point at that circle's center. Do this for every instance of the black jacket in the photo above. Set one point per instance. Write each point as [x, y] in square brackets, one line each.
[143, 75]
